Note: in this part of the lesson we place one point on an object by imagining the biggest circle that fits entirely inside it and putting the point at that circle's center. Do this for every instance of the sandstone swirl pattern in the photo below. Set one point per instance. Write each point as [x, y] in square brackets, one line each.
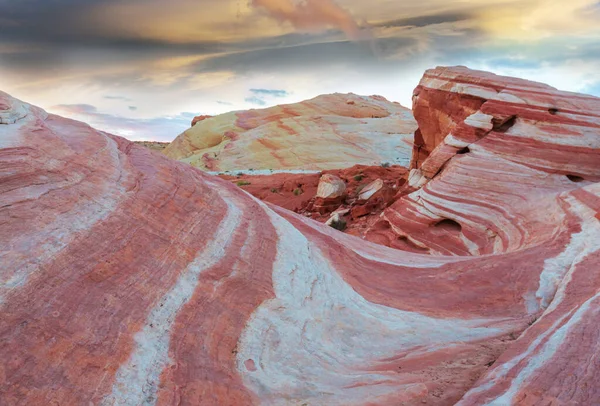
[130, 279]
[328, 132]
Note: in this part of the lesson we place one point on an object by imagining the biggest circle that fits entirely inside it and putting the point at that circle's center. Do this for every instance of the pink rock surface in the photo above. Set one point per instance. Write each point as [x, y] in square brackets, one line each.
[127, 278]
[510, 173]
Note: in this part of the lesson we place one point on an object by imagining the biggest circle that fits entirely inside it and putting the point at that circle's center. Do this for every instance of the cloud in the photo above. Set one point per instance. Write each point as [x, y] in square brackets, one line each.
[313, 15]
[255, 100]
[425, 20]
[270, 92]
[210, 56]
[122, 98]
[162, 128]
[81, 109]
[311, 56]
[260, 96]
[132, 108]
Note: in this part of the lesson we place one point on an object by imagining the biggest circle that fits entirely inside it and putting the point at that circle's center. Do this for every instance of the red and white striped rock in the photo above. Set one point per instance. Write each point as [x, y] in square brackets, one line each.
[509, 171]
[127, 278]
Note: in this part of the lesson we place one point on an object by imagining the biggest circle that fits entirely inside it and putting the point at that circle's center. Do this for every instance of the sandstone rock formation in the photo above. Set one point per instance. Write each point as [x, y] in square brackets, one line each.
[127, 278]
[370, 190]
[328, 132]
[331, 193]
[197, 119]
[331, 187]
[297, 192]
[153, 145]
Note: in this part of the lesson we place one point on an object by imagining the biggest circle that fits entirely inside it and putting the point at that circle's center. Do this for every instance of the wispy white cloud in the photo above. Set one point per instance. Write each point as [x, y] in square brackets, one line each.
[162, 128]
[255, 100]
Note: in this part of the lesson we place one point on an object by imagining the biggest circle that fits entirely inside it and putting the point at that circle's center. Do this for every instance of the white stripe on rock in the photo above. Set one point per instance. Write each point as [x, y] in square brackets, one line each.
[137, 380]
[316, 341]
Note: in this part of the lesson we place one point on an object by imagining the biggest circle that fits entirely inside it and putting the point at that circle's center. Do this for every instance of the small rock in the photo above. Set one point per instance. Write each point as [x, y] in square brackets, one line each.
[416, 179]
[342, 211]
[330, 187]
[369, 190]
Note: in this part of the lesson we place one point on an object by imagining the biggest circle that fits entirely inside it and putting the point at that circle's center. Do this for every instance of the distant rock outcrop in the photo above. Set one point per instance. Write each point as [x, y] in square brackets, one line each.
[197, 119]
[127, 278]
[328, 132]
[153, 145]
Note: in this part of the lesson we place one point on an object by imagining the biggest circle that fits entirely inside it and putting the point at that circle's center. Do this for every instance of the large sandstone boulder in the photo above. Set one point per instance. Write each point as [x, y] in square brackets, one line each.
[127, 278]
[331, 193]
[328, 132]
[331, 187]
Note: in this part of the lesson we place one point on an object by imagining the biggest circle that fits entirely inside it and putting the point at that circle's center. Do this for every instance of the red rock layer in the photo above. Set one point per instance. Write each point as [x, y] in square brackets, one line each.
[508, 170]
[130, 279]
[296, 192]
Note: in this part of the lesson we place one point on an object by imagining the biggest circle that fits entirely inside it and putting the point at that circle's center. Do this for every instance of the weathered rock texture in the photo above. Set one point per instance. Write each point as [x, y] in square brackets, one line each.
[331, 187]
[130, 279]
[197, 119]
[328, 132]
[297, 192]
[153, 145]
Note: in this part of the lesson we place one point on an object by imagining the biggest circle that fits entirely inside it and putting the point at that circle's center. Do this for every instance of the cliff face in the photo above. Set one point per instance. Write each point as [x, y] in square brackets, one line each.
[128, 278]
[328, 132]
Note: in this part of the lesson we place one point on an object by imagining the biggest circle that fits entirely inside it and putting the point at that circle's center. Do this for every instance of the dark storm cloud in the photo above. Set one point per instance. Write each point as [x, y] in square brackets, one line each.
[69, 24]
[358, 55]
[45, 20]
[423, 21]
[33, 52]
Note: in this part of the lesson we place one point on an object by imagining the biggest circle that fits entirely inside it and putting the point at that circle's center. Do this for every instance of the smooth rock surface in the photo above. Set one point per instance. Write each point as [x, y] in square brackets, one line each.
[371, 189]
[508, 172]
[127, 278]
[328, 132]
[330, 187]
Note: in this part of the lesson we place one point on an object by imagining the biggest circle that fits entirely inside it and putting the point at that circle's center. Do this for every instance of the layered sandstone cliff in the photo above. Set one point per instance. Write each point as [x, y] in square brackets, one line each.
[328, 132]
[127, 278]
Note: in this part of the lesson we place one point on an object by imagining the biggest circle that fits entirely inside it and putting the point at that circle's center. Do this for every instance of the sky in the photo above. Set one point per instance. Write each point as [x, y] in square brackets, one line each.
[144, 68]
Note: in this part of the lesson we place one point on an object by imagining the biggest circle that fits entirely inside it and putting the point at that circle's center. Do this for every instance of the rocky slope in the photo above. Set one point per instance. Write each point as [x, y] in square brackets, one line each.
[127, 278]
[297, 192]
[153, 145]
[328, 132]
